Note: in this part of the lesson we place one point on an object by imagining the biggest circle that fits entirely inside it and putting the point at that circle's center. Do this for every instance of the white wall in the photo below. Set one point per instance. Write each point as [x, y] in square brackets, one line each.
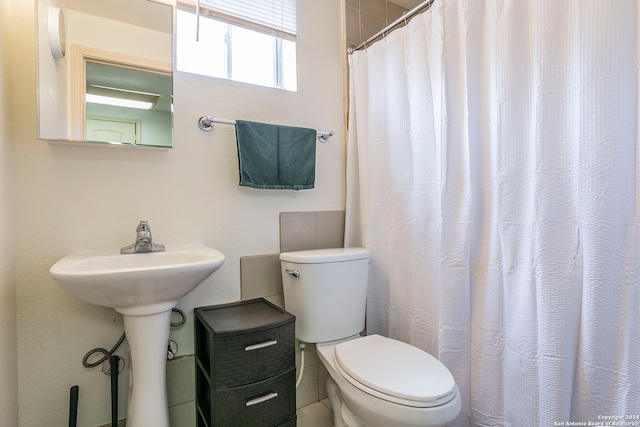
[77, 198]
[8, 363]
[105, 34]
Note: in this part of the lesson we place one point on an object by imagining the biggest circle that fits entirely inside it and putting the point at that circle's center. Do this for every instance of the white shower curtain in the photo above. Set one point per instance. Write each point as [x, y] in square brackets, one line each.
[494, 173]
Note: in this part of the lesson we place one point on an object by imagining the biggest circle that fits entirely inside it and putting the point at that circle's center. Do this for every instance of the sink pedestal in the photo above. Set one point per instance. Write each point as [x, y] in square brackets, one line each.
[147, 330]
[144, 288]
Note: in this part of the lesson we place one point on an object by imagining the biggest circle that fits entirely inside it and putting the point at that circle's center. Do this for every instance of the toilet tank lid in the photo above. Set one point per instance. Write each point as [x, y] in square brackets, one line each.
[321, 256]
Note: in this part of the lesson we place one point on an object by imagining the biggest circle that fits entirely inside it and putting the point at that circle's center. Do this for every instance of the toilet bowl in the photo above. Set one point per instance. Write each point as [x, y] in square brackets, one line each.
[373, 381]
[382, 382]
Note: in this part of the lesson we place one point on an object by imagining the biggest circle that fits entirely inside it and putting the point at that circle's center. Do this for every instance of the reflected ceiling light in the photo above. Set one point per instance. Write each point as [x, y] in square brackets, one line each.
[121, 97]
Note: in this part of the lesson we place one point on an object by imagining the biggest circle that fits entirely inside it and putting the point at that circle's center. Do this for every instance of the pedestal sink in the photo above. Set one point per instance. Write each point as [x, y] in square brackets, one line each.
[144, 287]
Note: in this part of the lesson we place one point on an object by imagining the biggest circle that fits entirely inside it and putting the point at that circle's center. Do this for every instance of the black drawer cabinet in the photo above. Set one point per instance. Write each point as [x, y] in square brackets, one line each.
[245, 365]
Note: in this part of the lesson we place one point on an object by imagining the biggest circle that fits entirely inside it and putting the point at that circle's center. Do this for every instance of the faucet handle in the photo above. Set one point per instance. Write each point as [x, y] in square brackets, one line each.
[144, 232]
[143, 241]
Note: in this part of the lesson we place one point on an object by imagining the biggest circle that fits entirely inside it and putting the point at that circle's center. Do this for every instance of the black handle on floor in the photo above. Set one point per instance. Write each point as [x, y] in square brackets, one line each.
[114, 361]
[73, 406]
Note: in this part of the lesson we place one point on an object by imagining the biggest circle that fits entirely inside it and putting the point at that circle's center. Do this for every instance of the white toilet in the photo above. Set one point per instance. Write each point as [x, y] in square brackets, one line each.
[374, 381]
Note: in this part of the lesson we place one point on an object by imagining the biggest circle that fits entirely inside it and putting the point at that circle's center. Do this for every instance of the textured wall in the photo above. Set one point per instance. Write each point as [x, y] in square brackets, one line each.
[8, 364]
[78, 198]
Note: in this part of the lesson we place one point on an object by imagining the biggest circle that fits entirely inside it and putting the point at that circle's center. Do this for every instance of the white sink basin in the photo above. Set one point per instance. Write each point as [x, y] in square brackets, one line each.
[113, 280]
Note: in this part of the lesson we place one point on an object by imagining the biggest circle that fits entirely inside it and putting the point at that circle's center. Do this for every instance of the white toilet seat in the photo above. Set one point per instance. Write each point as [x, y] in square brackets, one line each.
[395, 371]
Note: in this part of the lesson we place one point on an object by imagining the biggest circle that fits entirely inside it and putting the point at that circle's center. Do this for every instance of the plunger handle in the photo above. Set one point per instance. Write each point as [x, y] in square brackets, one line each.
[73, 406]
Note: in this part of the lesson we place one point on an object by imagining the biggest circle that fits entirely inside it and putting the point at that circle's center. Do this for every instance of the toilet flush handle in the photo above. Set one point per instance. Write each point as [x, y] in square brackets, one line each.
[294, 273]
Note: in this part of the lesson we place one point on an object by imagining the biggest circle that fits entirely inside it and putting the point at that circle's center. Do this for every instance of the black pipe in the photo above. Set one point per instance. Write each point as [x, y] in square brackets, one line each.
[73, 406]
[114, 361]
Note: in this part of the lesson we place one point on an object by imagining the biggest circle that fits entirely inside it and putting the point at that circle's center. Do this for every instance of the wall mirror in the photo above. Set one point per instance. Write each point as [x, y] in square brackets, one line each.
[105, 71]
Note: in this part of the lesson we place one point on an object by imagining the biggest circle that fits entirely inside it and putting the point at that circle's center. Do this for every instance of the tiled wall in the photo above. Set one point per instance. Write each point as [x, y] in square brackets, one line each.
[260, 276]
[366, 17]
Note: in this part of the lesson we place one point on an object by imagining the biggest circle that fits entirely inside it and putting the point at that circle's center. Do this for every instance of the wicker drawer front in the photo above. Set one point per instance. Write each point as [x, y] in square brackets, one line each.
[265, 404]
[247, 358]
[291, 423]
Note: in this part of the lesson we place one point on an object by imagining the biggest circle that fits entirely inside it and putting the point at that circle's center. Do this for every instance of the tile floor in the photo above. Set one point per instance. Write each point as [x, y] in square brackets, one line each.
[317, 414]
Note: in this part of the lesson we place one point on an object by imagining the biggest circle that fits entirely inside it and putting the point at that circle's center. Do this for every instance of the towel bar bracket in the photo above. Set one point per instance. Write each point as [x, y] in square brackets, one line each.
[205, 123]
[323, 136]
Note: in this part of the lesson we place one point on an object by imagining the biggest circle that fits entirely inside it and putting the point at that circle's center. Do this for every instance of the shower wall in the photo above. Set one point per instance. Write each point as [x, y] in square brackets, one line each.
[364, 18]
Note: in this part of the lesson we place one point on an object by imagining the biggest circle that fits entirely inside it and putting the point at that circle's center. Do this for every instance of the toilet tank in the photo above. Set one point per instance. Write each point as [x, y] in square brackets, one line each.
[326, 289]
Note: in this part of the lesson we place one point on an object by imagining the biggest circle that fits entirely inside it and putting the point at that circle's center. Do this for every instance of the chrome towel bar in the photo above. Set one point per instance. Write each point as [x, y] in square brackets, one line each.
[205, 123]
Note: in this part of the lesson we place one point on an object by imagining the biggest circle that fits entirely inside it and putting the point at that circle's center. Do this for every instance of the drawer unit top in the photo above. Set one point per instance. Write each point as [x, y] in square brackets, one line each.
[243, 317]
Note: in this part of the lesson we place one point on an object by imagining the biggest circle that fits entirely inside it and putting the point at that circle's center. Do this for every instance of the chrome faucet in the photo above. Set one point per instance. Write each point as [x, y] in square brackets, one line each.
[143, 241]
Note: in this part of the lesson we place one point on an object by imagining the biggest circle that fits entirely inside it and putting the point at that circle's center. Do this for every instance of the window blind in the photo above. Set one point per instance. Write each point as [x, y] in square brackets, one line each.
[268, 16]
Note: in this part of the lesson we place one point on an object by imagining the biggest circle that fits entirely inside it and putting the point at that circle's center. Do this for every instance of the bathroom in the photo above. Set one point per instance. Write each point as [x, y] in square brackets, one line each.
[56, 199]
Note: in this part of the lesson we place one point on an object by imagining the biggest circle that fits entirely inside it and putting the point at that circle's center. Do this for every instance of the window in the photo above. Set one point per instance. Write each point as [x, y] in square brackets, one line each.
[251, 41]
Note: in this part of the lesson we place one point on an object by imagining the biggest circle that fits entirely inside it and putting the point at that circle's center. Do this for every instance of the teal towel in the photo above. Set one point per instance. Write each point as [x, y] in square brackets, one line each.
[276, 157]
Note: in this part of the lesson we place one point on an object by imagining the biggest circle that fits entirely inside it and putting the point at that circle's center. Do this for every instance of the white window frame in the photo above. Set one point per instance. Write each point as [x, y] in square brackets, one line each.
[230, 23]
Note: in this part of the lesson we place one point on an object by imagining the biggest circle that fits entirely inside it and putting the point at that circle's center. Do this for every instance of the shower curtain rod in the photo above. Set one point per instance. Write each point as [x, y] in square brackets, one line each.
[407, 15]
